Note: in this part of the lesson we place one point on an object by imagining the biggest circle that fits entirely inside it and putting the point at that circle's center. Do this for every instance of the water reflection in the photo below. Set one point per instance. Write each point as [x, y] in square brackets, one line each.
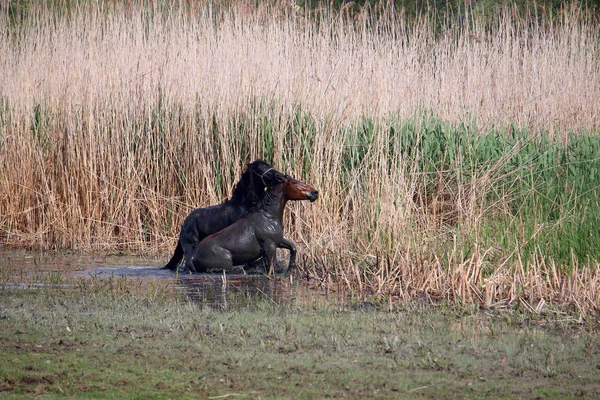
[216, 291]
[30, 270]
[237, 291]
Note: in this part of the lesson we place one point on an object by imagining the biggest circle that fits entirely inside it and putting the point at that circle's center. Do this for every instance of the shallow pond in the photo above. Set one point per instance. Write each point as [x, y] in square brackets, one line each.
[94, 272]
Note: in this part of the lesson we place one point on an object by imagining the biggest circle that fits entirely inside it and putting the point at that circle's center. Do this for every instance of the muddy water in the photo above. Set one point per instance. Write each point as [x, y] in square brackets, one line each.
[28, 270]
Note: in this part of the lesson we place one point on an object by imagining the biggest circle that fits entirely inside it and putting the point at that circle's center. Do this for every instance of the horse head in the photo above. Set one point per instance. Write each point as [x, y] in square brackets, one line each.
[293, 189]
[265, 174]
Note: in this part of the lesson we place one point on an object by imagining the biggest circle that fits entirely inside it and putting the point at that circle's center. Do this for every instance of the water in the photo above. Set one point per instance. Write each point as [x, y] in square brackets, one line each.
[31, 270]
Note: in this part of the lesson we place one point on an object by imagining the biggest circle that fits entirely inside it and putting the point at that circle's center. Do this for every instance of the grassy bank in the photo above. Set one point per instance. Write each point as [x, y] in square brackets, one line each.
[113, 344]
[460, 165]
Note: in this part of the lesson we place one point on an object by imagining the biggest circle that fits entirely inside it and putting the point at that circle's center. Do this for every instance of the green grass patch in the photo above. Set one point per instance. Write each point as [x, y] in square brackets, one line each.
[69, 343]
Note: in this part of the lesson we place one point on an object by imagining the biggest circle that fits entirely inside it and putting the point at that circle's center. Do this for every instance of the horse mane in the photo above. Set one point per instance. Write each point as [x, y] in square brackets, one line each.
[245, 188]
[271, 197]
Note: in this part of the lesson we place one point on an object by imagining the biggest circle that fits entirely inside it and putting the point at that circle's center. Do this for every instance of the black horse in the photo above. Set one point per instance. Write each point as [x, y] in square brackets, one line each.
[202, 222]
[258, 233]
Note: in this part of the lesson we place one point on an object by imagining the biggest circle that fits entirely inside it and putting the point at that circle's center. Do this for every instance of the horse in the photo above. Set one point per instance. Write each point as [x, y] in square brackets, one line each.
[203, 222]
[258, 233]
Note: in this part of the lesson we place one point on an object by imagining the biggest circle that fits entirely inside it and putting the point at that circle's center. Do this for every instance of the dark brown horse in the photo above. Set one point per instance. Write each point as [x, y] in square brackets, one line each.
[258, 233]
[202, 222]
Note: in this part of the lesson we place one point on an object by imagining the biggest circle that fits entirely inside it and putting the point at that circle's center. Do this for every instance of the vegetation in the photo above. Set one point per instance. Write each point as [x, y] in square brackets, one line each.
[110, 344]
[455, 160]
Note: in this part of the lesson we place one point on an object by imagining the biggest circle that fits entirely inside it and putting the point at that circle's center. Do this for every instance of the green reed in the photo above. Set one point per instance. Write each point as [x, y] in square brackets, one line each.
[542, 193]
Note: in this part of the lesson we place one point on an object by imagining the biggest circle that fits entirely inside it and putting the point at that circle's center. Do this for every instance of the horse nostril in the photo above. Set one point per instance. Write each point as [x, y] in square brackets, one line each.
[314, 195]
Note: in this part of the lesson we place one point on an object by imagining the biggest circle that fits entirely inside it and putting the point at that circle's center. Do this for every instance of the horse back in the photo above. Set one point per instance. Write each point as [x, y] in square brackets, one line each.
[203, 222]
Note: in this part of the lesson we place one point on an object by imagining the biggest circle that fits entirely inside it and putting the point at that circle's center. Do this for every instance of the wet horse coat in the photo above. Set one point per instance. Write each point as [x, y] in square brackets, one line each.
[258, 233]
[203, 222]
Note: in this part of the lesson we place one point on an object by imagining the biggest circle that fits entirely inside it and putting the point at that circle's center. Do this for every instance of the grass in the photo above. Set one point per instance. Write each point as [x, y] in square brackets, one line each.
[84, 344]
[457, 162]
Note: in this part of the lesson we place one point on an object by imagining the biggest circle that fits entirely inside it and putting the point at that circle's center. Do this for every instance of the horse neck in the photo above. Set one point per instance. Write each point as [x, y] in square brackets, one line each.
[274, 201]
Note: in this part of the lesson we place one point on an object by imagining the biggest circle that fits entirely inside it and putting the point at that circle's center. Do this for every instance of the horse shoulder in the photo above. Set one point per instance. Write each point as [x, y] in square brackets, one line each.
[266, 227]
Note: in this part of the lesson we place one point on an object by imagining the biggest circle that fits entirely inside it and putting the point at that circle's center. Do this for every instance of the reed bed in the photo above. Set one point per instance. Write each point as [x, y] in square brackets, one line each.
[458, 162]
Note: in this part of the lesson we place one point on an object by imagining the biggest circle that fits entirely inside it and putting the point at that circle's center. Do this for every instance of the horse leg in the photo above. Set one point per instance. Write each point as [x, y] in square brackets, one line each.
[288, 244]
[189, 264]
[189, 251]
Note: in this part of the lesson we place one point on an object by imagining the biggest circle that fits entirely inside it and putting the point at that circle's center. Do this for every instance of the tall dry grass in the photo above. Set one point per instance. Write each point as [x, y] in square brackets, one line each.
[117, 120]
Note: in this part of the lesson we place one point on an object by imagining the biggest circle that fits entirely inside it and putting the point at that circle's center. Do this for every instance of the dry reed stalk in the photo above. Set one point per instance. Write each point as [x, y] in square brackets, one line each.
[117, 121]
